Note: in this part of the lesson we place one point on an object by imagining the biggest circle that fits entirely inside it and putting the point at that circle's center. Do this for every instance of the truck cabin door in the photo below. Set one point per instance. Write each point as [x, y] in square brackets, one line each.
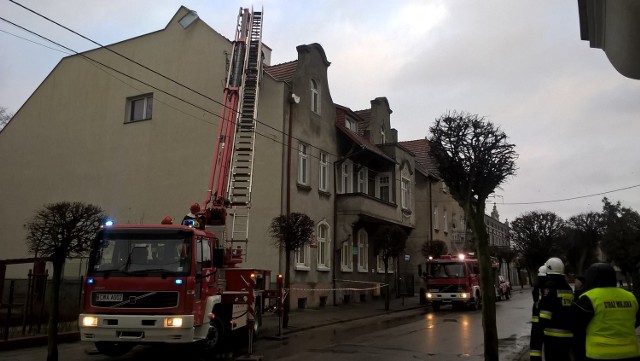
[204, 276]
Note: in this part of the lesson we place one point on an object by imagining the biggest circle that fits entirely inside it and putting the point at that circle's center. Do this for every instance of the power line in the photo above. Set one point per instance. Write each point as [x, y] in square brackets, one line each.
[153, 71]
[569, 199]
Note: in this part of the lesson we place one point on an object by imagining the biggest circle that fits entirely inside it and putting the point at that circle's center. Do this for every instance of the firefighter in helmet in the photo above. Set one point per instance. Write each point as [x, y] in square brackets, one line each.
[609, 316]
[556, 315]
[194, 218]
[536, 340]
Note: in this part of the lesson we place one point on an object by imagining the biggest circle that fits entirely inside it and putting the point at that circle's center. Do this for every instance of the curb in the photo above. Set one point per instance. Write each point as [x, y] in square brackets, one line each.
[34, 341]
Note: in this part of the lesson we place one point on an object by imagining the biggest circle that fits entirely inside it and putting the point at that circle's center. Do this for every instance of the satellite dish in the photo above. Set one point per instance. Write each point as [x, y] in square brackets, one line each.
[296, 99]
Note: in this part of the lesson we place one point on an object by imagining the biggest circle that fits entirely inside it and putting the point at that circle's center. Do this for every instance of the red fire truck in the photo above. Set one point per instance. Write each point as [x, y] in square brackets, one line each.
[181, 283]
[453, 280]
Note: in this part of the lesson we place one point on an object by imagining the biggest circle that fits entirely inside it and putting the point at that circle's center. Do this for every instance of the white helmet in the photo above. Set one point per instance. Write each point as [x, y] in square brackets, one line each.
[554, 266]
[542, 271]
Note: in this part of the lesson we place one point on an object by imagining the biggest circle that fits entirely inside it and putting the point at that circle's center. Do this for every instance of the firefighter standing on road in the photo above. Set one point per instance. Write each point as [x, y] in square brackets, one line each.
[556, 316]
[535, 343]
[609, 316]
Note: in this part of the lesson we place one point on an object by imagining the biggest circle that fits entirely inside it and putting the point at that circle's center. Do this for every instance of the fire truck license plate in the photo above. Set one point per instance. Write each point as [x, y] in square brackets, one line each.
[110, 297]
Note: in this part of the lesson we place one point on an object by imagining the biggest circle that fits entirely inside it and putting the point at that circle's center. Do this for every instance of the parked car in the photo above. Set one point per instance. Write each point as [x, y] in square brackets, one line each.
[503, 288]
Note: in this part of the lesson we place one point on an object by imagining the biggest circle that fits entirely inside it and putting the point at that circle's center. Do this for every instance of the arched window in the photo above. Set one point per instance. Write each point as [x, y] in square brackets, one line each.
[324, 246]
[315, 96]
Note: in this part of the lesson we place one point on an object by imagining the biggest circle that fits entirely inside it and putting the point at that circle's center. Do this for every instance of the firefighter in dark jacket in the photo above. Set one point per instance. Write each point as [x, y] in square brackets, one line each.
[535, 342]
[609, 317]
[556, 313]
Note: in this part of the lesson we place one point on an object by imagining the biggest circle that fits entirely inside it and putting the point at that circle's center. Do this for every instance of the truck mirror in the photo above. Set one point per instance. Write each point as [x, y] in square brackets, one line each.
[218, 257]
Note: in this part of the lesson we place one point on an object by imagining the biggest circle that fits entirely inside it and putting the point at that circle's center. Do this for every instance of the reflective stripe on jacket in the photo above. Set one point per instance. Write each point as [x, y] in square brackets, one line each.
[611, 332]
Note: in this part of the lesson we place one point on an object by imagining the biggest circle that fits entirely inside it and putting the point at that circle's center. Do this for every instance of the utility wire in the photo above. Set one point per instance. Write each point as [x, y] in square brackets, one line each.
[568, 199]
[153, 71]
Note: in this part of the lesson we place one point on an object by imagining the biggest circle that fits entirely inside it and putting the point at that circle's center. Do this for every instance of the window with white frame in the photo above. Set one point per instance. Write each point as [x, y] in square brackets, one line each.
[324, 172]
[380, 264]
[435, 217]
[351, 124]
[303, 164]
[383, 186]
[406, 192]
[302, 257]
[363, 251]
[347, 256]
[324, 246]
[445, 225]
[315, 96]
[363, 180]
[346, 177]
[140, 108]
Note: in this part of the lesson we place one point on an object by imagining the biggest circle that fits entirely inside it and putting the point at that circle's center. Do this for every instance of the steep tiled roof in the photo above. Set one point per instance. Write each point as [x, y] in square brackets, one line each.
[421, 149]
[282, 72]
[357, 138]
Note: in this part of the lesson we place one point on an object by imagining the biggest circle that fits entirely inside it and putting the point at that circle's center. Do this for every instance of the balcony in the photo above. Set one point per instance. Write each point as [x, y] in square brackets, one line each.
[360, 203]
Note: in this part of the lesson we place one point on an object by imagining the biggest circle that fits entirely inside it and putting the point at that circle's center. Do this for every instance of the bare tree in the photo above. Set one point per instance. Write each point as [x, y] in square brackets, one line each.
[290, 232]
[621, 239]
[58, 231]
[536, 236]
[474, 158]
[5, 117]
[582, 237]
[435, 248]
[388, 242]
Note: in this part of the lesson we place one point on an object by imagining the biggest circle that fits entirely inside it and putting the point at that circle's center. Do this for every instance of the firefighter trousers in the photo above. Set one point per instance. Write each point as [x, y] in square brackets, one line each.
[557, 348]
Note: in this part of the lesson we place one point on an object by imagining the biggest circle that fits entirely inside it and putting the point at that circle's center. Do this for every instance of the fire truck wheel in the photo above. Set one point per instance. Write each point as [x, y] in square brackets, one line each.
[214, 336]
[114, 349]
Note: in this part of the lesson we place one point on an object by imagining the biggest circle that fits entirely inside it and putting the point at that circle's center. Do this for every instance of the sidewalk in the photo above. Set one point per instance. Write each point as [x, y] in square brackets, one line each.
[305, 319]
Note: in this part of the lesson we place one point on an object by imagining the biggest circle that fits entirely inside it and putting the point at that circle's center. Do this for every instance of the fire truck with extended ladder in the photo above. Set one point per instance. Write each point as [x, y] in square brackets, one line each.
[181, 283]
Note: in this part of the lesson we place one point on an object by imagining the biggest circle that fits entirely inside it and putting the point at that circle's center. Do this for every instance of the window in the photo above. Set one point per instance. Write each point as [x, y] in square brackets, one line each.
[363, 176]
[140, 108]
[380, 264]
[324, 172]
[315, 96]
[445, 225]
[363, 251]
[302, 258]
[406, 193]
[383, 138]
[303, 164]
[346, 180]
[351, 124]
[435, 217]
[324, 246]
[383, 186]
[347, 256]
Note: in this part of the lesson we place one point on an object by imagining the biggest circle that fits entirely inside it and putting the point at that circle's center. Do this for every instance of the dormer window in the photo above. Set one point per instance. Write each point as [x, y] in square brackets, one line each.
[351, 125]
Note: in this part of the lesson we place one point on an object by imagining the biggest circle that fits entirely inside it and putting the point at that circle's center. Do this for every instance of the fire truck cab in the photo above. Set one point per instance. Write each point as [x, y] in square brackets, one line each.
[454, 281]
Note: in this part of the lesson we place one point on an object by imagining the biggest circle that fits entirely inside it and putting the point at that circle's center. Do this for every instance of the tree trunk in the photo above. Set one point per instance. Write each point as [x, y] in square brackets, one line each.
[287, 288]
[54, 310]
[488, 291]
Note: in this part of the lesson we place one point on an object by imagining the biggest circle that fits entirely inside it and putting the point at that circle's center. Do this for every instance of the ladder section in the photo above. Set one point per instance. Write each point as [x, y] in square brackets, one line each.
[241, 175]
[243, 150]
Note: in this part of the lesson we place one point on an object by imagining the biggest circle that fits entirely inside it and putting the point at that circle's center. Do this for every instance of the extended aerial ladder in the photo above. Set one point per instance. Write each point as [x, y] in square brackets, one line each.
[232, 170]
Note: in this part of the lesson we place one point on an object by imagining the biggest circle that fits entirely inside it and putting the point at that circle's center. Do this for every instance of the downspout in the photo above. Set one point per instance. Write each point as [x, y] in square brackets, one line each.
[289, 146]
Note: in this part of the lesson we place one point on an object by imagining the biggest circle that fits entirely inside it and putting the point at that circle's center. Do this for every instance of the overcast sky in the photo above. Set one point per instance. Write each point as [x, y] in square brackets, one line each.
[575, 120]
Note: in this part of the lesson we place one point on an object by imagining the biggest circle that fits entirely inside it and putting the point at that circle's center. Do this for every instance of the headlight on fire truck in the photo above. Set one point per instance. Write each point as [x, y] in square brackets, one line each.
[429, 295]
[89, 321]
[173, 322]
[464, 295]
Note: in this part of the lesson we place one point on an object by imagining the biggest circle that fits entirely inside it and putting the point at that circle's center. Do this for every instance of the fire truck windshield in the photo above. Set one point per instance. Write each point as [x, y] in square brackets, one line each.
[446, 270]
[136, 252]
